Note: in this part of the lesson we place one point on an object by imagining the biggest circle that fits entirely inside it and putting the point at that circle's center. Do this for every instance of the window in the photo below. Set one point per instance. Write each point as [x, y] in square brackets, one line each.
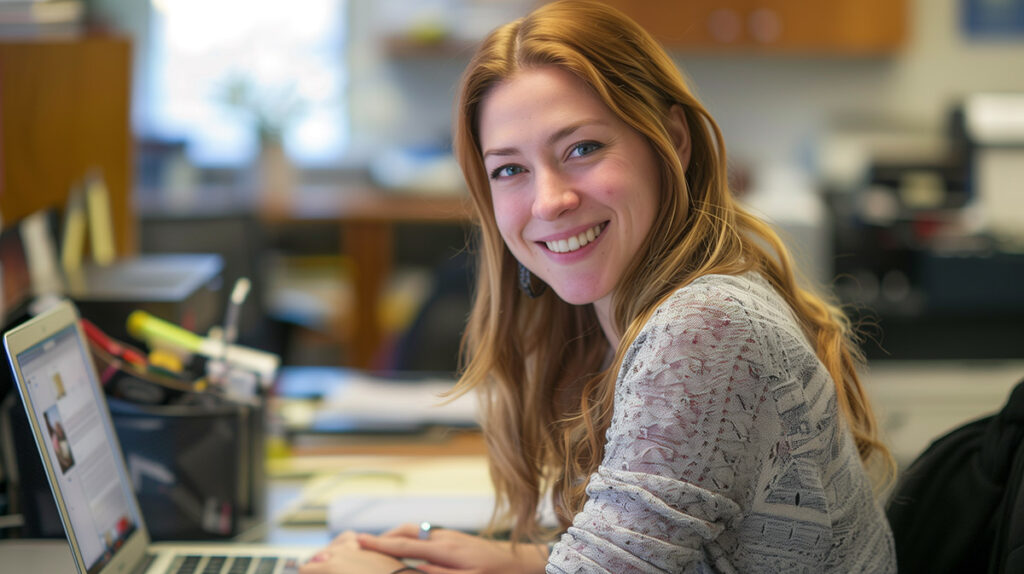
[286, 58]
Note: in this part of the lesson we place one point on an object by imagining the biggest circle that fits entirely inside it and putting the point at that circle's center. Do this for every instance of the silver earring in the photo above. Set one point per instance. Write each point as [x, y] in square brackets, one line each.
[526, 283]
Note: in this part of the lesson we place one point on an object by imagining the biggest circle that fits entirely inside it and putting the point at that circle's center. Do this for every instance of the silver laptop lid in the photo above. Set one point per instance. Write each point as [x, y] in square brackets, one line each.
[68, 413]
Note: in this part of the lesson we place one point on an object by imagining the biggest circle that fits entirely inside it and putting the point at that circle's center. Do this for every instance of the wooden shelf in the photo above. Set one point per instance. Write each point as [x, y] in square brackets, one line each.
[806, 27]
[65, 106]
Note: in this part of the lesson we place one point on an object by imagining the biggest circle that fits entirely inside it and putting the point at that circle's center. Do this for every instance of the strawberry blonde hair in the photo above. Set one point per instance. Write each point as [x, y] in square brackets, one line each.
[538, 364]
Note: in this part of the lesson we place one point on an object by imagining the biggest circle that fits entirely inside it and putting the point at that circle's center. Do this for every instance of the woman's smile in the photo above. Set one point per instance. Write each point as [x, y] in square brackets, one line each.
[574, 243]
[574, 188]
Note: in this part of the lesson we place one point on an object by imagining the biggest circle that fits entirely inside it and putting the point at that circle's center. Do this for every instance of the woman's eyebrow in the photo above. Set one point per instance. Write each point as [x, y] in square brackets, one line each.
[552, 139]
[500, 152]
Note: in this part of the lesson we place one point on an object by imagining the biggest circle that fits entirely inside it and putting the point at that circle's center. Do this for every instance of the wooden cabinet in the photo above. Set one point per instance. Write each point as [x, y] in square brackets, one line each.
[837, 27]
[65, 110]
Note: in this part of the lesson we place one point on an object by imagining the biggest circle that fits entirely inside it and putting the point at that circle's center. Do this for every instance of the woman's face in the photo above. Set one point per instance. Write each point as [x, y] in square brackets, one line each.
[575, 189]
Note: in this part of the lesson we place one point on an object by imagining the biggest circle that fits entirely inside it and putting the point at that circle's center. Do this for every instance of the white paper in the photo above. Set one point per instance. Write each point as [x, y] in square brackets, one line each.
[41, 255]
[367, 398]
[379, 513]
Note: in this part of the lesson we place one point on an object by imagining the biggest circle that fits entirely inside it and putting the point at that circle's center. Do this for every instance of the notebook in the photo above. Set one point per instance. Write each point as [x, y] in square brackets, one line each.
[68, 413]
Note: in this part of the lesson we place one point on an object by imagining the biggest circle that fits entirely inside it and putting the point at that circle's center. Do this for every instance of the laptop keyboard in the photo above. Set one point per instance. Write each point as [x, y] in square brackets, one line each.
[192, 564]
[143, 566]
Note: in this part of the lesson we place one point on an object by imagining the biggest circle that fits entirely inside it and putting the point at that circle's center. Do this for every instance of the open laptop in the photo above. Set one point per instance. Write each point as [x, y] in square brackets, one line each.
[67, 411]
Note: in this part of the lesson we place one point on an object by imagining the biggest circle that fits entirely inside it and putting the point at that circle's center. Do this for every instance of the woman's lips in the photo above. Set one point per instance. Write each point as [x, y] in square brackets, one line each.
[575, 242]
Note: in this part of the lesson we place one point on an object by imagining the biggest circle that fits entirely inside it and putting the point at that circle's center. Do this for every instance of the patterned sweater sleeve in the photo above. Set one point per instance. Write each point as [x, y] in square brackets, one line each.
[684, 445]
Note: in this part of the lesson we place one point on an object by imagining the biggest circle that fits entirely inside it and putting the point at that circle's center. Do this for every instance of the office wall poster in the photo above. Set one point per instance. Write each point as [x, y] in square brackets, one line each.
[993, 19]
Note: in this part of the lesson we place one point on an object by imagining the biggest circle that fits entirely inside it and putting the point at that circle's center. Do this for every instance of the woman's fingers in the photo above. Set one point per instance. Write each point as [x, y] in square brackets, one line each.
[407, 530]
[404, 546]
[321, 556]
[434, 569]
[344, 555]
[347, 539]
[401, 546]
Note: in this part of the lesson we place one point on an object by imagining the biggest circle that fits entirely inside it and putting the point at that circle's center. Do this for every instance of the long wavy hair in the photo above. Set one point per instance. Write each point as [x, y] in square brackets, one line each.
[540, 364]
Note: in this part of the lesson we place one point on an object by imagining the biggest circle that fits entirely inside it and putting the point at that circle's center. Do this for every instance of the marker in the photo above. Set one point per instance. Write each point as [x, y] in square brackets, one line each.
[145, 326]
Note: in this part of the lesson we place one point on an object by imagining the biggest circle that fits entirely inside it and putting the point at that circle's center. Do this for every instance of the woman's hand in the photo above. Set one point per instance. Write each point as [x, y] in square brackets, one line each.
[343, 556]
[453, 552]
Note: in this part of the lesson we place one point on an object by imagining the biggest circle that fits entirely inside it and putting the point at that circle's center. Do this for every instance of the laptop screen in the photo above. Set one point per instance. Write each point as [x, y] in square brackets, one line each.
[87, 470]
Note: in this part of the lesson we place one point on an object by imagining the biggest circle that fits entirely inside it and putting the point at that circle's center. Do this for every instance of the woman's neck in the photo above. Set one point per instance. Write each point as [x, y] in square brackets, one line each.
[603, 309]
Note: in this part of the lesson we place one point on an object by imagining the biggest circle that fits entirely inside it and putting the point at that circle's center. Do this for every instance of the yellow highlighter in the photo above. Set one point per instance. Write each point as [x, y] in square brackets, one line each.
[154, 330]
[157, 332]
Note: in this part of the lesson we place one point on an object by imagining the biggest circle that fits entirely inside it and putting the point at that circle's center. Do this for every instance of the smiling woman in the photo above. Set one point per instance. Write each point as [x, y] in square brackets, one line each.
[683, 404]
[574, 188]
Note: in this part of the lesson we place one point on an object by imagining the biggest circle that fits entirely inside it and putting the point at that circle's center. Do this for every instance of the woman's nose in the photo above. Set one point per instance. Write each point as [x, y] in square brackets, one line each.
[554, 196]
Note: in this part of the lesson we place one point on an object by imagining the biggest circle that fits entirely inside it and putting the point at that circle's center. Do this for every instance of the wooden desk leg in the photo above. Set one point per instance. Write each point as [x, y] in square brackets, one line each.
[370, 244]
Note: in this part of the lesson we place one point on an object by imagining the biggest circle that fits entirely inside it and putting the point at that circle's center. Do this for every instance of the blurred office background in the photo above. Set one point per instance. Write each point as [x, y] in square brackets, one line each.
[307, 142]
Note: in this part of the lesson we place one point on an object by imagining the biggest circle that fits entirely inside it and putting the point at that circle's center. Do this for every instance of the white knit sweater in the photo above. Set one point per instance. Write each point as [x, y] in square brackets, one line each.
[726, 451]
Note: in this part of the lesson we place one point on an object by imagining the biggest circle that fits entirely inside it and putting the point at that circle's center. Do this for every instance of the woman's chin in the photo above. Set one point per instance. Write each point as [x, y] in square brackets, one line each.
[575, 294]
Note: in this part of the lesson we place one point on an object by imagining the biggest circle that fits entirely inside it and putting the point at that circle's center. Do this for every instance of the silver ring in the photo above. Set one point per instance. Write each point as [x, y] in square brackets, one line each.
[424, 531]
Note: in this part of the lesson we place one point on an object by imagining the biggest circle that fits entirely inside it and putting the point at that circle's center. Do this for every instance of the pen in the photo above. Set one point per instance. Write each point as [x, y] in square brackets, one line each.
[111, 346]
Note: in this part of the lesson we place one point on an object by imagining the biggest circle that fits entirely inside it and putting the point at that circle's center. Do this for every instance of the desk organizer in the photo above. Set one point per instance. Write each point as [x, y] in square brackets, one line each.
[197, 468]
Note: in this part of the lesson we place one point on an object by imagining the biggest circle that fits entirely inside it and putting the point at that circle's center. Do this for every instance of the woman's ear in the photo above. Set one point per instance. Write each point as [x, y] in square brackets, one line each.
[679, 131]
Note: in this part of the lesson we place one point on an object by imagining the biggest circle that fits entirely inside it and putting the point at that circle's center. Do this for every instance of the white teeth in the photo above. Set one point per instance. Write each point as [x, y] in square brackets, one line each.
[574, 242]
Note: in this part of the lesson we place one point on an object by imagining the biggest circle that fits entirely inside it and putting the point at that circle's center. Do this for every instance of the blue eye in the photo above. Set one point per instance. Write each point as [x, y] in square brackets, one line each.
[507, 171]
[584, 148]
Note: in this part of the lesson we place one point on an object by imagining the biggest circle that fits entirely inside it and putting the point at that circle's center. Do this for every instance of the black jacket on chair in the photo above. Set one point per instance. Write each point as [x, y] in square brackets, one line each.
[960, 507]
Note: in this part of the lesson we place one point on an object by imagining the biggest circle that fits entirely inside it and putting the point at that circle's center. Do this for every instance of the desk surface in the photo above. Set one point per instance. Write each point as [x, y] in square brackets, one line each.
[370, 493]
[443, 443]
[27, 555]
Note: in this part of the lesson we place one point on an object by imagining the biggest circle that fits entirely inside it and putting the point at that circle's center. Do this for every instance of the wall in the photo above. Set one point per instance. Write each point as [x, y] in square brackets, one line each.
[775, 108]
[771, 108]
